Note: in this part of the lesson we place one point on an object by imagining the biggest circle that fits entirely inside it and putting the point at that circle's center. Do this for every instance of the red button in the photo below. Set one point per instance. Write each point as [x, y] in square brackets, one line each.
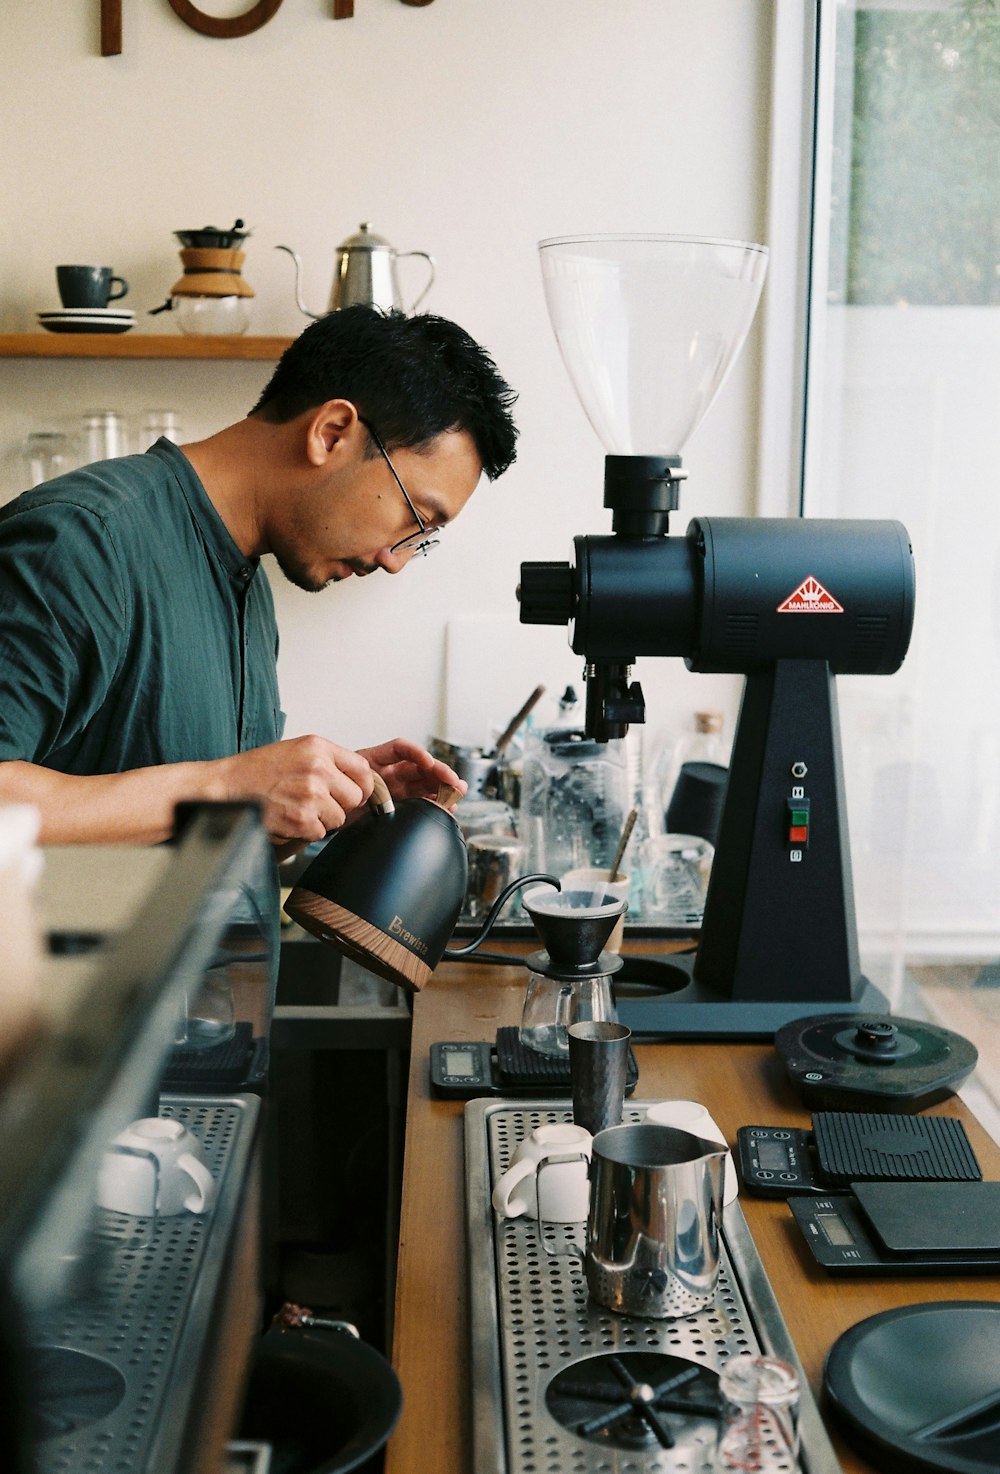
[798, 834]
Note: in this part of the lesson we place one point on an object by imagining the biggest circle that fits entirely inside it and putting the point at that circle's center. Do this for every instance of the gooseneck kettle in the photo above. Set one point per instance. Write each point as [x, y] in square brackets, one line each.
[387, 889]
[365, 274]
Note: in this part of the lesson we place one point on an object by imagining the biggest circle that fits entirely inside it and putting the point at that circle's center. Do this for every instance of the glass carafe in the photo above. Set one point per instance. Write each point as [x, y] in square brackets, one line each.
[551, 1004]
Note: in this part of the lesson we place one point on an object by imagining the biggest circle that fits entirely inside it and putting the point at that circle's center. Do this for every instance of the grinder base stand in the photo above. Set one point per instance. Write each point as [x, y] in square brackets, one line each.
[684, 1007]
[779, 937]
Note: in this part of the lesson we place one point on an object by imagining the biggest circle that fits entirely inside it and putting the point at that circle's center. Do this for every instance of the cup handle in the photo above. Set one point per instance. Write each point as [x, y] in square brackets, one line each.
[504, 1190]
[574, 1251]
[113, 295]
[204, 1194]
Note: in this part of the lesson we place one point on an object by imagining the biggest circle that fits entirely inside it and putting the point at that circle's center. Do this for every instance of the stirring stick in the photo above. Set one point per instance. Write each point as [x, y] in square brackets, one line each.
[516, 721]
[598, 893]
[623, 844]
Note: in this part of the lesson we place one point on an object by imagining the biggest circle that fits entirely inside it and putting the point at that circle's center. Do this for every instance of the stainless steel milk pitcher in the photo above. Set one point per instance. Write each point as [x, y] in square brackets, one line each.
[654, 1223]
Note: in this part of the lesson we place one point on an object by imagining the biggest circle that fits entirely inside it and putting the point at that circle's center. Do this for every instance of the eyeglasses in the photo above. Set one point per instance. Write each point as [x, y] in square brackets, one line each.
[424, 539]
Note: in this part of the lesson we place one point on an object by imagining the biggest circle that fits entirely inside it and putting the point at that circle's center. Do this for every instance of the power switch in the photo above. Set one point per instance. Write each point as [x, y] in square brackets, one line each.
[798, 822]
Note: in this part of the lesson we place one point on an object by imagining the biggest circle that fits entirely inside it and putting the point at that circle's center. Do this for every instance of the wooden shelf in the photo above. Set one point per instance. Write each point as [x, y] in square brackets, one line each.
[138, 345]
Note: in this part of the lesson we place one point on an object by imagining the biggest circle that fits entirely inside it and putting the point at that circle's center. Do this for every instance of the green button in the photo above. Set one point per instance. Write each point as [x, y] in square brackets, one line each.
[800, 816]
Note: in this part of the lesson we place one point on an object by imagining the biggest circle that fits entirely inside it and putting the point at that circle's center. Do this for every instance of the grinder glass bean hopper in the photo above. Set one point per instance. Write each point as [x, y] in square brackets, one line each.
[649, 327]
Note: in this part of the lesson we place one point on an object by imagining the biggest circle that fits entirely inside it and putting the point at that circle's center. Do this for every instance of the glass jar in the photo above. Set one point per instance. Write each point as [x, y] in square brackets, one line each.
[574, 799]
[758, 1417]
[159, 424]
[484, 816]
[103, 436]
[47, 453]
[675, 873]
[210, 1016]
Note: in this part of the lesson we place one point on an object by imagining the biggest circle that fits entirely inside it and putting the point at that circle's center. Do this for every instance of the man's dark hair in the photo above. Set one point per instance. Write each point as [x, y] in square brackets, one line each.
[411, 377]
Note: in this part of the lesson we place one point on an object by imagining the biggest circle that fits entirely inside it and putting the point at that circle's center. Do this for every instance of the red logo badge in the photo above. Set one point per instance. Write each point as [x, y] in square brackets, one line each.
[810, 598]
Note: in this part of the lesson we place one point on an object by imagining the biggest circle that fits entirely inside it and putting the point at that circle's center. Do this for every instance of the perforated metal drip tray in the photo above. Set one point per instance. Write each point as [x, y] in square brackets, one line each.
[117, 1368]
[554, 1375]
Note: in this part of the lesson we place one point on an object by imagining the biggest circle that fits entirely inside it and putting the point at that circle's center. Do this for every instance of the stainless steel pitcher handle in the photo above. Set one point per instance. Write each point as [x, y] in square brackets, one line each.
[430, 280]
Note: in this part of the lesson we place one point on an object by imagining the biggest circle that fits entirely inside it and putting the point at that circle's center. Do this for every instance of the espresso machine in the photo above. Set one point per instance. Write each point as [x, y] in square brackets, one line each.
[648, 327]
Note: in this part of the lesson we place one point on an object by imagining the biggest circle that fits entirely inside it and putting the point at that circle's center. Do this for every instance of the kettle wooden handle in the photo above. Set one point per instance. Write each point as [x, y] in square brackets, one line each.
[448, 797]
[381, 799]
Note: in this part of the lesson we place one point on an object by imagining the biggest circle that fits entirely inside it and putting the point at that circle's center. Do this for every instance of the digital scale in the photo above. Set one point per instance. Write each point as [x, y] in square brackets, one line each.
[844, 1147]
[465, 1069]
[904, 1228]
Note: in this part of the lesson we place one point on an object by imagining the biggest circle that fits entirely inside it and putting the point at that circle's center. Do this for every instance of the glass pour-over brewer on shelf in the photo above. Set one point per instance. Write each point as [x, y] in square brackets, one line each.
[211, 297]
[569, 982]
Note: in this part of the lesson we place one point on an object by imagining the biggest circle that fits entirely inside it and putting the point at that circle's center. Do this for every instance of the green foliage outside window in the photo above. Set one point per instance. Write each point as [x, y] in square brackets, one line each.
[916, 197]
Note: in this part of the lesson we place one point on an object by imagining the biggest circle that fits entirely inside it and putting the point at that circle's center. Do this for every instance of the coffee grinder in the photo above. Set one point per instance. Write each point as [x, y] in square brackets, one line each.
[648, 327]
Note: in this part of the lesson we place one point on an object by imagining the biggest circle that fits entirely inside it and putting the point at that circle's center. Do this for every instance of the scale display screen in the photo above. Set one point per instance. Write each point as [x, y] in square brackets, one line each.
[835, 1229]
[773, 1156]
[461, 1062]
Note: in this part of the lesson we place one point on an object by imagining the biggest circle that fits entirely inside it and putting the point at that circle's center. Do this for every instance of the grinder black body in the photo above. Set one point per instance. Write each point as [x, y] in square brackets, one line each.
[790, 604]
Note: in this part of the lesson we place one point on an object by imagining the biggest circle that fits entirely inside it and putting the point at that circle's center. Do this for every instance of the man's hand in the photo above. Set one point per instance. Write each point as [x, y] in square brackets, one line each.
[409, 770]
[306, 785]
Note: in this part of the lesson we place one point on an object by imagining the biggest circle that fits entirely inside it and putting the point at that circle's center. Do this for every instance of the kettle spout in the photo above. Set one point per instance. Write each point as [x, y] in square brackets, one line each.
[298, 284]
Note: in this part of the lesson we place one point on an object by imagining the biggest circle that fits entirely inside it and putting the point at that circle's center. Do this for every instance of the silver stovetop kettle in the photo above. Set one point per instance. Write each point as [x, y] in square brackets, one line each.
[365, 273]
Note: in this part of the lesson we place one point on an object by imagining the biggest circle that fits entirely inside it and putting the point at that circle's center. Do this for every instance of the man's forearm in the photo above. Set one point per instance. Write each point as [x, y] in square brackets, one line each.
[136, 807]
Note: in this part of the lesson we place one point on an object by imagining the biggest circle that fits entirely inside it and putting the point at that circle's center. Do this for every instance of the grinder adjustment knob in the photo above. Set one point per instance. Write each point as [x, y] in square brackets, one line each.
[545, 593]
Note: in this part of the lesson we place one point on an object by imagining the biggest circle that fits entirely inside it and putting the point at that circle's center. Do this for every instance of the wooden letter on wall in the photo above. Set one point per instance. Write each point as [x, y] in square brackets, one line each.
[238, 25]
[210, 25]
[111, 27]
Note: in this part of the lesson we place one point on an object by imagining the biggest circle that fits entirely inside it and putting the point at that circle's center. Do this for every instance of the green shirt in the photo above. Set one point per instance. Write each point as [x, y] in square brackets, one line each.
[133, 631]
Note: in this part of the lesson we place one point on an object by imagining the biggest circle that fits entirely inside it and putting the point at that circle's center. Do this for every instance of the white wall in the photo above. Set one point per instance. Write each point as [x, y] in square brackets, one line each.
[467, 128]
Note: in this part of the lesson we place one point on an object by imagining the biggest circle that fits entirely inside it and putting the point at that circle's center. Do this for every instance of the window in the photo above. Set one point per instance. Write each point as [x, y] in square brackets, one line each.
[900, 392]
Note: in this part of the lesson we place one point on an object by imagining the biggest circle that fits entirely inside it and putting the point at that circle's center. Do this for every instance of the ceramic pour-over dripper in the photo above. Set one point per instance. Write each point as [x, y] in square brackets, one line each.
[572, 927]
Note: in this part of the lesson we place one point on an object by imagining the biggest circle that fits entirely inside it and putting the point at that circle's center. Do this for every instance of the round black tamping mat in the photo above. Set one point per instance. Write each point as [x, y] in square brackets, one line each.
[918, 1388]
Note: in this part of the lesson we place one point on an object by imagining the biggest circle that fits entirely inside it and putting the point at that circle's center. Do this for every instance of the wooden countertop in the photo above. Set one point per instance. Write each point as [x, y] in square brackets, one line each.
[740, 1083]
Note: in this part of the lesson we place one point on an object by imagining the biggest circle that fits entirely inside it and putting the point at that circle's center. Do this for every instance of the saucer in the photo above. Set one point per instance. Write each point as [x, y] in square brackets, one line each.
[87, 320]
[88, 312]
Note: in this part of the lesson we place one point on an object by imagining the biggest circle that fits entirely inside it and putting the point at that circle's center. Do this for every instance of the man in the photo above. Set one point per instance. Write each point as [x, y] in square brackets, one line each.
[138, 642]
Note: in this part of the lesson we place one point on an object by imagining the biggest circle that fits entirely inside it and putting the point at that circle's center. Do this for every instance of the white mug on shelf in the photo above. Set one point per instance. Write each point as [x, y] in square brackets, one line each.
[552, 1164]
[155, 1166]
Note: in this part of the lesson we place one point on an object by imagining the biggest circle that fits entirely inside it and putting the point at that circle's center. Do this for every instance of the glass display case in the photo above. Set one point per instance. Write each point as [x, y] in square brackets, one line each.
[112, 1321]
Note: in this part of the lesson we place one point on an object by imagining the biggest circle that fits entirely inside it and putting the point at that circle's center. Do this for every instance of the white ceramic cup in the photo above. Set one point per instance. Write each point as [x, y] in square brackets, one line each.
[155, 1166]
[551, 1164]
[690, 1115]
[592, 879]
